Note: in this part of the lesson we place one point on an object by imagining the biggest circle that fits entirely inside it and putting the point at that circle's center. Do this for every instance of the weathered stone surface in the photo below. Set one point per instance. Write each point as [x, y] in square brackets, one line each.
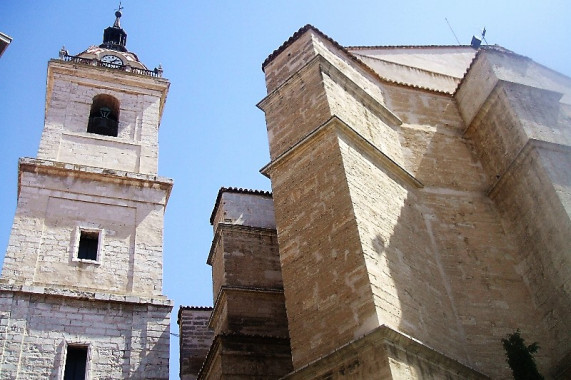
[244, 257]
[522, 134]
[104, 190]
[384, 354]
[234, 207]
[248, 320]
[69, 96]
[195, 339]
[55, 203]
[247, 357]
[125, 339]
[250, 311]
[421, 66]
[445, 218]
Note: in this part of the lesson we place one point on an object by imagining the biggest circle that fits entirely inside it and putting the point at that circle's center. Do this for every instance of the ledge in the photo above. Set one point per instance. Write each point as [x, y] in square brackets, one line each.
[192, 308]
[34, 165]
[384, 336]
[86, 295]
[224, 289]
[530, 146]
[338, 125]
[254, 340]
[349, 85]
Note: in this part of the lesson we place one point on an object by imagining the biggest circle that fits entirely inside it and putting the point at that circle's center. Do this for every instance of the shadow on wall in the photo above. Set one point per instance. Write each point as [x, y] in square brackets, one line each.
[447, 272]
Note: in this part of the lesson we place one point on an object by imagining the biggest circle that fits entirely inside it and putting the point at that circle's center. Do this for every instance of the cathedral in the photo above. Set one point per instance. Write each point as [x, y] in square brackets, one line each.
[419, 213]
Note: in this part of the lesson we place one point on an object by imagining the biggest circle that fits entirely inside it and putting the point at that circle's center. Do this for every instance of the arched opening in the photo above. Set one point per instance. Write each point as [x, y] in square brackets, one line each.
[104, 116]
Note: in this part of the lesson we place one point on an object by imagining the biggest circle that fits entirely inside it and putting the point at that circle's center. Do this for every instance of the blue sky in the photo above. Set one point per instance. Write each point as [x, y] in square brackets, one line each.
[212, 134]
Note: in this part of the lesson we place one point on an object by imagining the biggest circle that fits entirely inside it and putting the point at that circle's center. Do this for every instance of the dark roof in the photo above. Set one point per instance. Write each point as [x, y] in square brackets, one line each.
[408, 47]
[236, 190]
[196, 308]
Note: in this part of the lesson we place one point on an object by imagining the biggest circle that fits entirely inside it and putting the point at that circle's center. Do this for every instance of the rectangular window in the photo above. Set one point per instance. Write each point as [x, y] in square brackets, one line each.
[88, 245]
[75, 363]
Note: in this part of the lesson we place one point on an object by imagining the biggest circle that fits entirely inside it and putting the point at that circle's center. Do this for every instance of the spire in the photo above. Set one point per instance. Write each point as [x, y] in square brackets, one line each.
[114, 37]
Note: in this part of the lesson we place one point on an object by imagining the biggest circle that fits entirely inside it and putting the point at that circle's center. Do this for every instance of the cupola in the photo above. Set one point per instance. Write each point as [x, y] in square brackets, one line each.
[112, 53]
[114, 37]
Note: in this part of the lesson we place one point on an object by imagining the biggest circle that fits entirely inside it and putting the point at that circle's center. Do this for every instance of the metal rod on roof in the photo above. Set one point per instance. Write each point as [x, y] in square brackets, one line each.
[452, 30]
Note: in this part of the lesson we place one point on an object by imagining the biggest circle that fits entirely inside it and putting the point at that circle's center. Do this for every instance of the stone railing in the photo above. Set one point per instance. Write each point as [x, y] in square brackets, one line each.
[157, 72]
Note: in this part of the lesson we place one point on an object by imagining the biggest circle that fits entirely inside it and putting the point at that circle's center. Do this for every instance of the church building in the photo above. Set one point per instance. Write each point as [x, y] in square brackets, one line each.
[81, 285]
[420, 213]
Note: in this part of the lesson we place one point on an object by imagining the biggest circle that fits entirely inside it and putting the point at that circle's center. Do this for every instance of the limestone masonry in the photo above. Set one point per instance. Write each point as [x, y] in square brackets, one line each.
[81, 286]
[420, 212]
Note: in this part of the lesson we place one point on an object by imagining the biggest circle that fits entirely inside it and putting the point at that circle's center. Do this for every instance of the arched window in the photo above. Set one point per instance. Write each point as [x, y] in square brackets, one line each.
[104, 116]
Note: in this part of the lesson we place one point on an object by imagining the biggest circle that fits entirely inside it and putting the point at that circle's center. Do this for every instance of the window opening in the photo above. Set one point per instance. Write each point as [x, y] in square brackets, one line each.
[104, 116]
[75, 363]
[88, 244]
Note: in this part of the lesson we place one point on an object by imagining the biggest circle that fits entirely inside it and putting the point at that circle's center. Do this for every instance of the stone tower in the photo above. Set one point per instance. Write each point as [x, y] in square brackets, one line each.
[245, 334]
[81, 286]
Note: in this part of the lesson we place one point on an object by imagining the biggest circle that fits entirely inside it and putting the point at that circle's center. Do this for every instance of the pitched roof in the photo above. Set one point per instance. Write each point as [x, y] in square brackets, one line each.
[447, 90]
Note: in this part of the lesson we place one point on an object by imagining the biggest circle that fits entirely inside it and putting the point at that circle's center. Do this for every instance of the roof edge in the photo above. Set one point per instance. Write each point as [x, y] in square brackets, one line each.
[481, 50]
[408, 47]
[294, 38]
[350, 55]
[193, 308]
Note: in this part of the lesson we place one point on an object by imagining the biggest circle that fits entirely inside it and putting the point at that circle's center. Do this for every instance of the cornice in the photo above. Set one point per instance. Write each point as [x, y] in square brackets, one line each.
[86, 295]
[334, 123]
[119, 177]
[330, 69]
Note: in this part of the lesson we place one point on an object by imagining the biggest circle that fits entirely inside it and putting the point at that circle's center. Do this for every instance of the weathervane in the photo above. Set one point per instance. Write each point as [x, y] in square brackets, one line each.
[118, 15]
[484, 35]
[477, 41]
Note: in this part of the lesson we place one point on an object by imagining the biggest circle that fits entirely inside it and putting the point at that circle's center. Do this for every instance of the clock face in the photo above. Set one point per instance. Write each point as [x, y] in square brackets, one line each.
[112, 59]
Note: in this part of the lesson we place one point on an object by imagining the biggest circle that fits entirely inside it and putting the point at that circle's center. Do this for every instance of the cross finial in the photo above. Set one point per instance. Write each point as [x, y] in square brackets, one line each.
[118, 15]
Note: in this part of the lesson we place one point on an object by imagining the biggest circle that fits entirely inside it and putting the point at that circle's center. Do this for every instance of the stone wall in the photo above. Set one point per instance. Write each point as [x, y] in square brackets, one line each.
[249, 317]
[98, 195]
[232, 207]
[328, 296]
[56, 202]
[195, 339]
[383, 206]
[521, 129]
[125, 339]
[244, 257]
[69, 97]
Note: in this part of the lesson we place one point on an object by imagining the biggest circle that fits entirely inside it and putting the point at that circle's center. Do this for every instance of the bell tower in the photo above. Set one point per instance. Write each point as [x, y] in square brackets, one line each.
[81, 285]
